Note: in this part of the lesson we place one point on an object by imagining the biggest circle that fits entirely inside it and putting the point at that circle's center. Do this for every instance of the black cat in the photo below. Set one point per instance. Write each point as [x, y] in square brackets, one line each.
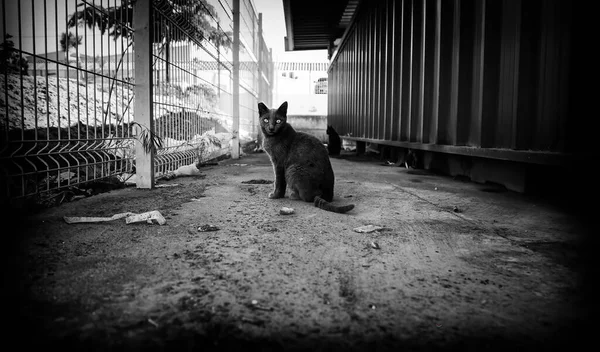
[299, 160]
[335, 142]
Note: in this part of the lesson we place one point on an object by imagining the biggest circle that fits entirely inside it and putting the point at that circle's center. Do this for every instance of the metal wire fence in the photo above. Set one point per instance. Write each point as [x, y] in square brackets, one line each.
[68, 87]
[190, 72]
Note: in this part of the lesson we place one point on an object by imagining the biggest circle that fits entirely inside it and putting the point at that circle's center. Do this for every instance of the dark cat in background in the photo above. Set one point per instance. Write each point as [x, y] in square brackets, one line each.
[335, 142]
[300, 161]
[411, 159]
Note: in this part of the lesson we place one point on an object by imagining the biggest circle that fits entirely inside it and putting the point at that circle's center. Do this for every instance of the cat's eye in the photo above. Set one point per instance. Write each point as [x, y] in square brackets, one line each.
[266, 120]
[278, 121]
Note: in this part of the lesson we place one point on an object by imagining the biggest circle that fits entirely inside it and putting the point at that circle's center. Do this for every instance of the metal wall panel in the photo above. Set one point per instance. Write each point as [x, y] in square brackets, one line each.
[477, 77]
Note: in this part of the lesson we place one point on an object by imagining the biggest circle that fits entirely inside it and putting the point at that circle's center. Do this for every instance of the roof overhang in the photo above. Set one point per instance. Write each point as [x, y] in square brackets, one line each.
[316, 24]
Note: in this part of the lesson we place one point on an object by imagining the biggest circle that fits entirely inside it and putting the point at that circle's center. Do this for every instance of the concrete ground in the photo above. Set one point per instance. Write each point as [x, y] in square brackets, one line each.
[455, 265]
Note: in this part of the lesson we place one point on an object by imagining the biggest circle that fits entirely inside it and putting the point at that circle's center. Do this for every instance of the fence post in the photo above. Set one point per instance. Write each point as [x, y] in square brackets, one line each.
[260, 57]
[271, 77]
[262, 83]
[235, 141]
[143, 92]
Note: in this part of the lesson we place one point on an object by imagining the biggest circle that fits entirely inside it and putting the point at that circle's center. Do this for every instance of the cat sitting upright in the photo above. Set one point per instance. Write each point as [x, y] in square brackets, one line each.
[335, 142]
[299, 160]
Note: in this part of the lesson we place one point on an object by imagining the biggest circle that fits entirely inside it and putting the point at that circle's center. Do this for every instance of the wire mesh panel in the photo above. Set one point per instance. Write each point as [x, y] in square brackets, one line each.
[191, 77]
[68, 79]
[249, 70]
[192, 74]
[65, 94]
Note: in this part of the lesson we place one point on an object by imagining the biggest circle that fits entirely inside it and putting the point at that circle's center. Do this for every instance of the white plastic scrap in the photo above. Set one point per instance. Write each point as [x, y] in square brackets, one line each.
[166, 185]
[368, 228]
[286, 211]
[151, 217]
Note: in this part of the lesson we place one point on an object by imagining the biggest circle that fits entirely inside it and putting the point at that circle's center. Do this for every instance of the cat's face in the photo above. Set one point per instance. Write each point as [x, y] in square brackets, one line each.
[271, 120]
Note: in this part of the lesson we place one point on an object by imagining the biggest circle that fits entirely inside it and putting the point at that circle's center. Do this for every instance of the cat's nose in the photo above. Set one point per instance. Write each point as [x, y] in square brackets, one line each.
[271, 128]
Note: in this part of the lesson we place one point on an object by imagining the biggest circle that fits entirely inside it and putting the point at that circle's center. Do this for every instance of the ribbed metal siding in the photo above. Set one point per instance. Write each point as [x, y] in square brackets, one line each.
[476, 73]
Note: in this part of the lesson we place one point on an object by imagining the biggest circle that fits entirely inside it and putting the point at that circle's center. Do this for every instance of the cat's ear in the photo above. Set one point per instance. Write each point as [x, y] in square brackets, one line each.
[262, 109]
[283, 109]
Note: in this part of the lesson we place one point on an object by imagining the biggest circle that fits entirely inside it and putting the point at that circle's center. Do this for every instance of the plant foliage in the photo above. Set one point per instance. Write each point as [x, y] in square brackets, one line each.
[149, 139]
[10, 60]
[175, 20]
[68, 41]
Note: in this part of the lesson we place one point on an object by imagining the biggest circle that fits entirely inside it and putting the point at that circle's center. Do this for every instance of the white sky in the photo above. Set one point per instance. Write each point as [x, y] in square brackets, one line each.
[274, 31]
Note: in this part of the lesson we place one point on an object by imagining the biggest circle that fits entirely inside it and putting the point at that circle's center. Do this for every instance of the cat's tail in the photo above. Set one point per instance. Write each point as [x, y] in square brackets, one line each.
[325, 205]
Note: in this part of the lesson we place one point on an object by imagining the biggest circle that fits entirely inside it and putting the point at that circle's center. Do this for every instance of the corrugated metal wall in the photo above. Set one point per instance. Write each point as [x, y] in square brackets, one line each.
[477, 77]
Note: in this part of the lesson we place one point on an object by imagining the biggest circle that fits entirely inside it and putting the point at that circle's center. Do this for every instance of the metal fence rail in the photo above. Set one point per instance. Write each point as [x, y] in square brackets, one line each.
[71, 88]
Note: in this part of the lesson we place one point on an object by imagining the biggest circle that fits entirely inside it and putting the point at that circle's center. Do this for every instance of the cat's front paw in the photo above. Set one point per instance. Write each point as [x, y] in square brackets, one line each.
[275, 195]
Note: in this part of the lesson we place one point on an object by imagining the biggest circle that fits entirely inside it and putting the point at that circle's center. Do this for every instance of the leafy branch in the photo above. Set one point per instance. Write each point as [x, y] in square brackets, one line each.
[150, 141]
[68, 41]
[187, 19]
[10, 60]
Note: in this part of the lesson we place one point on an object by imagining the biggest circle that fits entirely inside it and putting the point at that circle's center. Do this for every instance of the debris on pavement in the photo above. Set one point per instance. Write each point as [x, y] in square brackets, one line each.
[254, 304]
[81, 219]
[127, 179]
[207, 227]
[150, 217]
[369, 228]
[257, 182]
[456, 209]
[375, 245]
[152, 322]
[167, 185]
[286, 211]
[185, 170]
[388, 163]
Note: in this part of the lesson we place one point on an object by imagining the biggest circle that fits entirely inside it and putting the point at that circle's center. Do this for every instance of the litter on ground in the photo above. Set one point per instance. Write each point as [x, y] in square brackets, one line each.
[286, 211]
[151, 217]
[207, 227]
[369, 228]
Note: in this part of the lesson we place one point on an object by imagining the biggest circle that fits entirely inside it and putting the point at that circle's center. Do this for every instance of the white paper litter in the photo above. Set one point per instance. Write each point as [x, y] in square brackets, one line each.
[167, 185]
[151, 217]
[78, 219]
[368, 228]
[187, 170]
[286, 211]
